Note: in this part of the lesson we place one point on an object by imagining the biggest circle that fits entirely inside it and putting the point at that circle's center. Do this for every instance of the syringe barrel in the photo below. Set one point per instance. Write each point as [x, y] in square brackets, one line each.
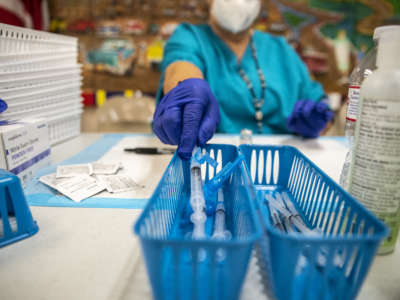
[219, 223]
[196, 188]
[198, 232]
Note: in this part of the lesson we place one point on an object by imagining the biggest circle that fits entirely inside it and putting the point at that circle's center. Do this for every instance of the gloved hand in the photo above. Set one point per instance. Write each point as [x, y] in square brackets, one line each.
[309, 118]
[187, 115]
[3, 105]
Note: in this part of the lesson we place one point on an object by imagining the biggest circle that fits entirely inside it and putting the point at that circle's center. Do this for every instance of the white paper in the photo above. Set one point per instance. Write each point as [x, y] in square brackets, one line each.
[73, 170]
[145, 170]
[51, 180]
[101, 168]
[119, 183]
[13, 224]
[80, 187]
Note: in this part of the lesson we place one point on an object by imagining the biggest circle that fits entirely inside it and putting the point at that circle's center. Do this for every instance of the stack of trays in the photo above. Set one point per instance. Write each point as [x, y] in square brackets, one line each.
[40, 77]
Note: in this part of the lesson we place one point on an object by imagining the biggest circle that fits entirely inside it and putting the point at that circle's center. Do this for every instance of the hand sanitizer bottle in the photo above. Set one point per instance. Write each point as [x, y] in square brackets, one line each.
[375, 168]
[365, 67]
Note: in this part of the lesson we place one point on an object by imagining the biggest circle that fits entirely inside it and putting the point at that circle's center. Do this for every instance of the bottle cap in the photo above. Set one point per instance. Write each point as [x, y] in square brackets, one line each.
[389, 49]
[379, 30]
[246, 136]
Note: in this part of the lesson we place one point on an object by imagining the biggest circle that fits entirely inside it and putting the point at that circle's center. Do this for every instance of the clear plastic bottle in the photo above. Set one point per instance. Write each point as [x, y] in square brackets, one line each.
[375, 168]
[365, 67]
[246, 136]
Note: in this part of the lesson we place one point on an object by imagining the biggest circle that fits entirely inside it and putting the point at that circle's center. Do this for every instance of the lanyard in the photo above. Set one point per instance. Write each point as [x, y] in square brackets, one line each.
[257, 102]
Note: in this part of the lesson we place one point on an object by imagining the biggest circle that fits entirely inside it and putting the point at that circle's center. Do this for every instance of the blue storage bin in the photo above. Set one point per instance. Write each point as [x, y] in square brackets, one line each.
[16, 222]
[329, 265]
[182, 268]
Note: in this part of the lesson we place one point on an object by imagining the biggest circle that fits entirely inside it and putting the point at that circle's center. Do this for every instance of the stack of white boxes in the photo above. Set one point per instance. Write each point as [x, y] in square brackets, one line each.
[40, 81]
[40, 78]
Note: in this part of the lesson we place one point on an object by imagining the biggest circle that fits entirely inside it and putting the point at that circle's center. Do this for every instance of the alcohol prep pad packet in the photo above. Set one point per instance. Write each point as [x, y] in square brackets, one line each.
[99, 168]
[81, 187]
[52, 181]
[74, 170]
[119, 183]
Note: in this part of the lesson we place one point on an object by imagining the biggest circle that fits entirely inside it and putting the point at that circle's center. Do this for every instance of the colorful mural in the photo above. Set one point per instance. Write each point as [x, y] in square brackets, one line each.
[329, 35]
[358, 18]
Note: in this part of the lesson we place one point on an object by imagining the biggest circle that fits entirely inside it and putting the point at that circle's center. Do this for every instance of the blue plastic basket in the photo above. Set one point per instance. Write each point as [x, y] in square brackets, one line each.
[332, 265]
[16, 222]
[182, 268]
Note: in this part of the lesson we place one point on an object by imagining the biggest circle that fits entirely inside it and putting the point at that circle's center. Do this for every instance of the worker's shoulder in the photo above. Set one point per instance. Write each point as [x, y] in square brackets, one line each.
[187, 29]
[273, 42]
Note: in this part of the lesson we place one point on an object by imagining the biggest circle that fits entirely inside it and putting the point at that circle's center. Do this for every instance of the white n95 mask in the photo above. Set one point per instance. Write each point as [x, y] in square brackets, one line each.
[235, 15]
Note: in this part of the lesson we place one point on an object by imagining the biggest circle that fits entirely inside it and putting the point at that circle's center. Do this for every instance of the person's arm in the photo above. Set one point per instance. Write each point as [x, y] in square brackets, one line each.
[183, 59]
[311, 115]
[179, 71]
[187, 112]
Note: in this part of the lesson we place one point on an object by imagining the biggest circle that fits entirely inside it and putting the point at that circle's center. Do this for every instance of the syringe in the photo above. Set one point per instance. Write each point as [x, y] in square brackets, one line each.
[219, 223]
[278, 205]
[295, 217]
[289, 212]
[197, 201]
[276, 221]
[284, 198]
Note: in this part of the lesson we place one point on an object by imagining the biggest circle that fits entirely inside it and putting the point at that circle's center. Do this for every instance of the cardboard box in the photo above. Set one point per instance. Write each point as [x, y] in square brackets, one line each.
[25, 148]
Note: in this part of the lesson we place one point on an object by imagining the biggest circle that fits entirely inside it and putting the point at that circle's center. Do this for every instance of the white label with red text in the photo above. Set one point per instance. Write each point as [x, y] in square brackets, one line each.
[352, 104]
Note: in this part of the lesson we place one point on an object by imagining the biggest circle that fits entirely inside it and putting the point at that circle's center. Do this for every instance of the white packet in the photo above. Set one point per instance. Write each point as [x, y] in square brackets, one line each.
[74, 170]
[51, 180]
[100, 168]
[119, 183]
[13, 224]
[81, 187]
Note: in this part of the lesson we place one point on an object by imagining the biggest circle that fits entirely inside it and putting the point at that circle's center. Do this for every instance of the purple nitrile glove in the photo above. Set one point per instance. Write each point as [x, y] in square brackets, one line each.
[309, 118]
[187, 115]
[3, 105]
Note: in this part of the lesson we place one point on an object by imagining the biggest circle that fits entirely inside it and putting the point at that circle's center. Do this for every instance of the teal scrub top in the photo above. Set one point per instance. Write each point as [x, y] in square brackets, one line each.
[287, 77]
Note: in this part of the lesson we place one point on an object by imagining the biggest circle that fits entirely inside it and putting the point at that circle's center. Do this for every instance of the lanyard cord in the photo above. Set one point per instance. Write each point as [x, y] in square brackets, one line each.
[257, 102]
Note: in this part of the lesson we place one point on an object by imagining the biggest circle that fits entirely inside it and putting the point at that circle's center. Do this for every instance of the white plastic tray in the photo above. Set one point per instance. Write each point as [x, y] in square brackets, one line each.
[24, 87]
[40, 77]
[16, 57]
[42, 105]
[16, 39]
[44, 111]
[64, 127]
[31, 95]
[10, 80]
[27, 63]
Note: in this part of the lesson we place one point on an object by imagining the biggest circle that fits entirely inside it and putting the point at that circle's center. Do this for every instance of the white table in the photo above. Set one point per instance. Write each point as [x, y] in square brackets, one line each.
[82, 253]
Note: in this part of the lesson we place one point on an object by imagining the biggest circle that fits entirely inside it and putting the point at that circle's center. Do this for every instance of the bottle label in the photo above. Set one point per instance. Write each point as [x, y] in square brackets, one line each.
[376, 171]
[352, 104]
[392, 221]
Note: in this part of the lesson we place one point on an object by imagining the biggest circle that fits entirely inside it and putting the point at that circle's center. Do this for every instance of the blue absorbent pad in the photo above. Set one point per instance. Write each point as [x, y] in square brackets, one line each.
[39, 194]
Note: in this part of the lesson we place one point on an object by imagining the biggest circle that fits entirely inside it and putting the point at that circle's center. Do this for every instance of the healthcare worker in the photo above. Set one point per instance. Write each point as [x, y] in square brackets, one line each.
[226, 76]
